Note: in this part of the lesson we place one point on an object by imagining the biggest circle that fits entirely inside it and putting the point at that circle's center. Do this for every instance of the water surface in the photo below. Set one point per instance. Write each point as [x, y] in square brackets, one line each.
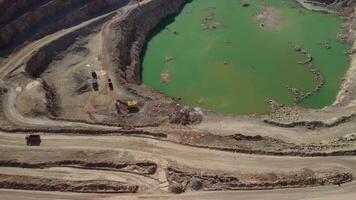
[235, 67]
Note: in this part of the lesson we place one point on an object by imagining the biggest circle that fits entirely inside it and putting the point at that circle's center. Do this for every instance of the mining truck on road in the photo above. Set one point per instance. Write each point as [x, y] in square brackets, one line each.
[33, 140]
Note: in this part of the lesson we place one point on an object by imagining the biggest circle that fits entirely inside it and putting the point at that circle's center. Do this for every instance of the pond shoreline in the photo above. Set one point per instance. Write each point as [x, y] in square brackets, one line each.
[343, 102]
[312, 71]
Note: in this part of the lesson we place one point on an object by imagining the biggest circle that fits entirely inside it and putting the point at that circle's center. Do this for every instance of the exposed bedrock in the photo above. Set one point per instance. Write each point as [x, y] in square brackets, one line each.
[51, 17]
[346, 5]
[39, 60]
[127, 37]
[11, 9]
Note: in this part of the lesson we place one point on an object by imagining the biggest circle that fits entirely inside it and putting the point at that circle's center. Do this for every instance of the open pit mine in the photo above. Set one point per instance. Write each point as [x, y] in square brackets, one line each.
[177, 99]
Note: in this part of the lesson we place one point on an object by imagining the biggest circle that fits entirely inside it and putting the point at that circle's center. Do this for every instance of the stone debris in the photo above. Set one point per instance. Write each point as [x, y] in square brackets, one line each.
[168, 59]
[245, 5]
[186, 116]
[184, 179]
[165, 76]
[298, 97]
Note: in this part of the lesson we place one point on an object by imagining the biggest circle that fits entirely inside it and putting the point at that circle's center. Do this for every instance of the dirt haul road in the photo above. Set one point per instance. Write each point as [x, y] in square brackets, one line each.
[166, 152]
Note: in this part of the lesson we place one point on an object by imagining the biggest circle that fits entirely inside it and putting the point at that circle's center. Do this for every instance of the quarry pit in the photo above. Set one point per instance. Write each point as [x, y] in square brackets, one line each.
[74, 74]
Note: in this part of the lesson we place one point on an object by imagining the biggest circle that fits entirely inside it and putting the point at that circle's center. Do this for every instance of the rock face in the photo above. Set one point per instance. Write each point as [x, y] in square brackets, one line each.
[9, 9]
[39, 61]
[47, 18]
[346, 6]
[128, 37]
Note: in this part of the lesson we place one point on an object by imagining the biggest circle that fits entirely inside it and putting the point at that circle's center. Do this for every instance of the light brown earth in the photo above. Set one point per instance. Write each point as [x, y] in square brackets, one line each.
[269, 18]
[87, 146]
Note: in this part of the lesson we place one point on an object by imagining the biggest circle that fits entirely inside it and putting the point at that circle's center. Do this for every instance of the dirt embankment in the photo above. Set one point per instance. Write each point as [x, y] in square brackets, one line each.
[42, 184]
[185, 179]
[238, 143]
[145, 168]
[39, 61]
[4, 122]
[312, 124]
[107, 160]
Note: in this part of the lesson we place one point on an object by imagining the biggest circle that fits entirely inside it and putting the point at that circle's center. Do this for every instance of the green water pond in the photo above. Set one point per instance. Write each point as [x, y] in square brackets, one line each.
[214, 54]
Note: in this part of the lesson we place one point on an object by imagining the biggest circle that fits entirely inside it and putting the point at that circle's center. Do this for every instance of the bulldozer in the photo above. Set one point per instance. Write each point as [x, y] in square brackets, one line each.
[33, 140]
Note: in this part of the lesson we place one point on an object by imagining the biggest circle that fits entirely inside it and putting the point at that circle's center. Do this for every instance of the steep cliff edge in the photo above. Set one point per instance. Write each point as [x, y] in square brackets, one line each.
[127, 37]
[345, 7]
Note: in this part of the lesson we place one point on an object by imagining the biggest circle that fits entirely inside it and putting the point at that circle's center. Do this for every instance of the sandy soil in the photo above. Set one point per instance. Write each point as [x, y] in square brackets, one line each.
[269, 18]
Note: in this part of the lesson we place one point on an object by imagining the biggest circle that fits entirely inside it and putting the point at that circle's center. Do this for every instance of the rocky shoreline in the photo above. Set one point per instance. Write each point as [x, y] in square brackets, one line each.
[347, 94]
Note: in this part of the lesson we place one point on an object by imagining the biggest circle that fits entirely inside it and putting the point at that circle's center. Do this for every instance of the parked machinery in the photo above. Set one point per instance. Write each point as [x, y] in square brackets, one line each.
[95, 80]
[111, 87]
[33, 140]
[130, 106]
[95, 85]
[94, 75]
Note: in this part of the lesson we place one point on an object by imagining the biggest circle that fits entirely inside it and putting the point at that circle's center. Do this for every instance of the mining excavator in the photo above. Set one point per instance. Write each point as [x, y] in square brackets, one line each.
[33, 140]
[130, 106]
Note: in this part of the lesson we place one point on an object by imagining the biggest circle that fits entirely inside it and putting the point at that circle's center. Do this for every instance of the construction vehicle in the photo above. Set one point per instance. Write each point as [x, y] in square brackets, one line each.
[95, 80]
[94, 75]
[33, 140]
[117, 106]
[111, 87]
[95, 85]
[132, 106]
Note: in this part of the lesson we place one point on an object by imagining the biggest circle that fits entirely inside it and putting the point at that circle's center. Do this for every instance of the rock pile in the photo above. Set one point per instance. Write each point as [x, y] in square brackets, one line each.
[186, 116]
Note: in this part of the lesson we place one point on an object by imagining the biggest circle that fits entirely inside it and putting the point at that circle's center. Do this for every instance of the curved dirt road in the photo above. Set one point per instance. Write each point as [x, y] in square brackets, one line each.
[190, 156]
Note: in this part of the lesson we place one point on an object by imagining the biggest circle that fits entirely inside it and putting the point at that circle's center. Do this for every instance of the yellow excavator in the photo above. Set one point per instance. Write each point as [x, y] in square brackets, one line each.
[132, 105]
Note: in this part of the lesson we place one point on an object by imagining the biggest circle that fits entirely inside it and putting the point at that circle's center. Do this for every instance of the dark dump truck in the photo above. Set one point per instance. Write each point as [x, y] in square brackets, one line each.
[33, 140]
[95, 80]
[111, 86]
[95, 85]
